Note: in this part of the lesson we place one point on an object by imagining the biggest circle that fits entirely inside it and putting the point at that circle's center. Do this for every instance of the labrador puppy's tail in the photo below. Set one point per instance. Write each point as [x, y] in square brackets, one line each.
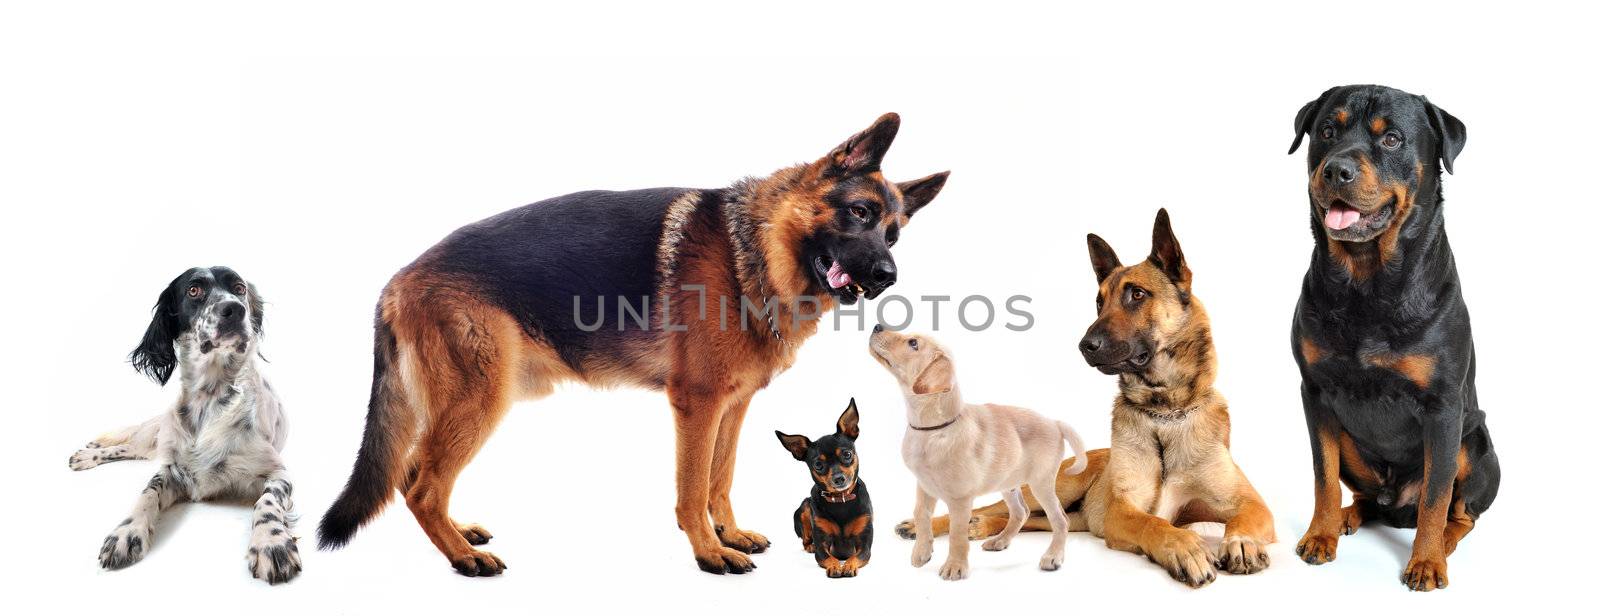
[384, 449]
[1079, 460]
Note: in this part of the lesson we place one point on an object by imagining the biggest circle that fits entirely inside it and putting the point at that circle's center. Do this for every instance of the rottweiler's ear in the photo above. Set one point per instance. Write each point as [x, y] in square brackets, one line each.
[862, 153]
[1305, 121]
[918, 193]
[796, 444]
[1167, 255]
[849, 422]
[938, 377]
[1102, 258]
[155, 356]
[1450, 132]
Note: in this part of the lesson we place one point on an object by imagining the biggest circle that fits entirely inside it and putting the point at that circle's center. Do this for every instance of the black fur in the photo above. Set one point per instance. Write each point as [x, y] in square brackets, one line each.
[369, 486]
[829, 474]
[174, 313]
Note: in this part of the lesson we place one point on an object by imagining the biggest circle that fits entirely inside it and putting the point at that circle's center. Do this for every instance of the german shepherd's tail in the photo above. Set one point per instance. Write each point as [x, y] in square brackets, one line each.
[384, 448]
[1080, 461]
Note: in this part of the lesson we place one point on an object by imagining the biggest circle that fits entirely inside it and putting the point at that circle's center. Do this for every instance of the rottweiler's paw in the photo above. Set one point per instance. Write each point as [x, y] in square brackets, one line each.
[1426, 574]
[474, 534]
[1241, 555]
[478, 563]
[921, 552]
[125, 545]
[1317, 549]
[743, 540]
[725, 560]
[953, 570]
[1185, 557]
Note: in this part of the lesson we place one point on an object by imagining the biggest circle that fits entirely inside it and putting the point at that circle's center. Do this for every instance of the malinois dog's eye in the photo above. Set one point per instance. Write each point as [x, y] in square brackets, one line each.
[912, 343]
[194, 290]
[1137, 293]
[239, 289]
[861, 213]
[1327, 131]
[1391, 140]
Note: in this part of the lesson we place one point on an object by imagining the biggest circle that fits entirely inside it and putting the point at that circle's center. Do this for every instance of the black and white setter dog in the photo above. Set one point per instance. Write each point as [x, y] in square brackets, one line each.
[222, 436]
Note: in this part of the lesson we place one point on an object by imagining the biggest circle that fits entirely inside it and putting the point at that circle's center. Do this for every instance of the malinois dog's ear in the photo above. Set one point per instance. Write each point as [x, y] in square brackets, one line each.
[1102, 258]
[937, 378]
[796, 444]
[918, 193]
[1167, 256]
[862, 153]
[849, 422]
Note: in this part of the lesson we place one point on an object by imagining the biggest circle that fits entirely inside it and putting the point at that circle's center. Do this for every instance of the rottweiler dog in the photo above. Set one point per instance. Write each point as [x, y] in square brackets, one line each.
[835, 521]
[706, 294]
[1381, 332]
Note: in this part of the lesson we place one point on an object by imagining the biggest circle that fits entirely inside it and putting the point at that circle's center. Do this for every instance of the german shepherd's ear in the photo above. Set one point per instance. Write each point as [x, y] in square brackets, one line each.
[849, 422]
[1102, 258]
[155, 356]
[1305, 120]
[862, 153]
[796, 444]
[937, 378]
[918, 193]
[1167, 255]
[1450, 132]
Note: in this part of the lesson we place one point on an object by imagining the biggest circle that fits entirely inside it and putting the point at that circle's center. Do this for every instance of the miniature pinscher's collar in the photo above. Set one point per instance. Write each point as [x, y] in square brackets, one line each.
[840, 497]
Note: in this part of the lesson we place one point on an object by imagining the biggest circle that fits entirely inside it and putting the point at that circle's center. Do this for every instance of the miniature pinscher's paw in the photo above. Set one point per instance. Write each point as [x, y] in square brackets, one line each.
[125, 545]
[1426, 574]
[953, 570]
[1317, 549]
[725, 560]
[997, 543]
[275, 559]
[1352, 519]
[478, 563]
[474, 534]
[743, 540]
[1050, 561]
[1241, 555]
[1184, 555]
[921, 552]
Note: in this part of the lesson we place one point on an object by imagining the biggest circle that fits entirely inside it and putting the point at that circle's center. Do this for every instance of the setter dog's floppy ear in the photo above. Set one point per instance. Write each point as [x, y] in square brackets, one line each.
[155, 356]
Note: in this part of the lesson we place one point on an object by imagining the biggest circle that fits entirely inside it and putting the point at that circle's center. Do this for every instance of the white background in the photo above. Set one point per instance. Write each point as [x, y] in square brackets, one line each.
[318, 149]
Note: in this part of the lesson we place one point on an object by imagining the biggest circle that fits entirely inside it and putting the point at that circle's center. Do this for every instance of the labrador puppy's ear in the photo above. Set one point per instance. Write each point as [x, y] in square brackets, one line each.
[796, 444]
[1167, 255]
[863, 152]
[918, 193]
[155, 356]
[937, 378]
[850, 422]
[1306, 119]
[1102, 258]
[1450, 132]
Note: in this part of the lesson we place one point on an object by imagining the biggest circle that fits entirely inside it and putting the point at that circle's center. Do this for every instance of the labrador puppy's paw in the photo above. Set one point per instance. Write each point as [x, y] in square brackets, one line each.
[125, 545]
[1185, 557]
[478, 563]
[1050, 561]
[1242, 555]
[1317, 549]
[1425, 574]
[997, 543]
[953, 570]
[921, 552]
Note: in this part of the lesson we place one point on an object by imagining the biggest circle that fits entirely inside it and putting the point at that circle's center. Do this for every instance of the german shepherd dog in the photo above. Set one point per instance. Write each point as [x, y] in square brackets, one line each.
[1169, 463]
[713, 292]
[1381, 333]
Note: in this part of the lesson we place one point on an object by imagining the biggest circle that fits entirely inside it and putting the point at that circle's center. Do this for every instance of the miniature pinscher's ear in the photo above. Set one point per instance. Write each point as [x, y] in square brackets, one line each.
[937, 378]
[849, 423]
[1102, 258]
[796, 444]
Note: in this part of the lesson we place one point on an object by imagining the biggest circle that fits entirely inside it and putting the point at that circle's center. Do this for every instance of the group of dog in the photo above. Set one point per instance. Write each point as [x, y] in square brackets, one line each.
[484, 319]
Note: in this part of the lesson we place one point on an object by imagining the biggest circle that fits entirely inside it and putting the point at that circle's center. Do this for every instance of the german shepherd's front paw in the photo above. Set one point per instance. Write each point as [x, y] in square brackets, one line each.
[1317, 549]
[725, 560]
[478, 563]
[743, 540]
[1185, 557]
[1241, 555]
[1426, 574]
[125, 545]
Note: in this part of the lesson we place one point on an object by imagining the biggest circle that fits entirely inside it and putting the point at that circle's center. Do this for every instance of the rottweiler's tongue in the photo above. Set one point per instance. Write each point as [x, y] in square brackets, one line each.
[1341, 216]
[837, 277]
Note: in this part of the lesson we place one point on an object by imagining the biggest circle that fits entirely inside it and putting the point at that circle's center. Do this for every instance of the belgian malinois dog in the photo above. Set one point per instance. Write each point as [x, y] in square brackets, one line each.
[704, 294]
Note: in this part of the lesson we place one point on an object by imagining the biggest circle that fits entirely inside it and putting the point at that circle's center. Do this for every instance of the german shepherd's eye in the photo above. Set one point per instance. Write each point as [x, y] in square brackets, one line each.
[240, 289]
[860, 212]
[1391, 140]
[1327, 131]
[1137, 294]
[194, 290]
[912, 343]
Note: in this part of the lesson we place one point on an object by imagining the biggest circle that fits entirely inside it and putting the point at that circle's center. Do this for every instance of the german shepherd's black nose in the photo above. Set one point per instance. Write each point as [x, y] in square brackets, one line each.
[1091, 343]
[883, 273]
[1339, 171]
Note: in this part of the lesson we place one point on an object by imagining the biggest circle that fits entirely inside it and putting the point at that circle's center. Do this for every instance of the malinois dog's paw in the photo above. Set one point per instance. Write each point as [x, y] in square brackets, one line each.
[921, 552]
[1352, 519]
[1317, 549]
[743, 540]
[1426, 574]
[478, 563]
[275, 559]
[474, 534]
[997, 543]
[125, 545]
[1050, 561]
[1242, 555]
[953, 570]
[725, 560]
[1185, 557]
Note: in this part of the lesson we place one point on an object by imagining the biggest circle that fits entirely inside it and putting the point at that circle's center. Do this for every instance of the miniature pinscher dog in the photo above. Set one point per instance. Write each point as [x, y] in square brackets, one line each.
[835, 521]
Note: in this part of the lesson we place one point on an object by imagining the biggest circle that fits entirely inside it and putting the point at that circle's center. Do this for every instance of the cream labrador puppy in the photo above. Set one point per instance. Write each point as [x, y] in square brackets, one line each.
[961, 451]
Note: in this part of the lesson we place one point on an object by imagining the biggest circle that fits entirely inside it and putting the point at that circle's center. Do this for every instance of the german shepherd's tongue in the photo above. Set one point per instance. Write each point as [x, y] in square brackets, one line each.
[1340, 216]
[837, 277]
